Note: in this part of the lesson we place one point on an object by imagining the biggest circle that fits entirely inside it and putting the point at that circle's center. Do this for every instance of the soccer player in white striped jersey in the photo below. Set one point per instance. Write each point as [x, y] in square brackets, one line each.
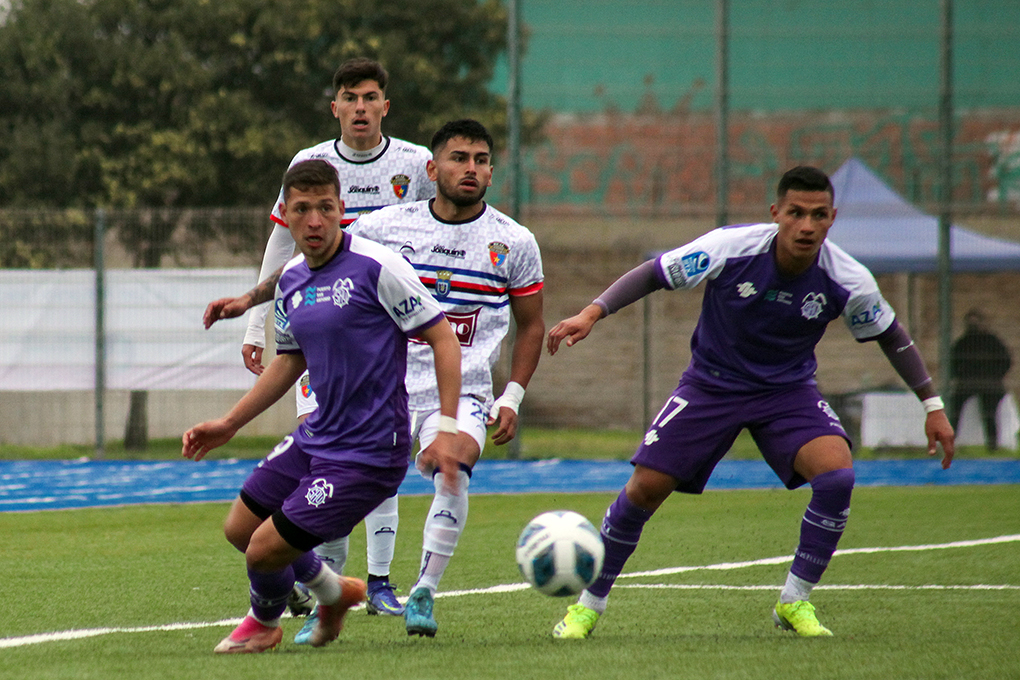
[481, 266]
[375, 171]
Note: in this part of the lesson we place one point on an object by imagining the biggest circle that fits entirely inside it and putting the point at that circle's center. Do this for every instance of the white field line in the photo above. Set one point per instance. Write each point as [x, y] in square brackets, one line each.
[512, 587]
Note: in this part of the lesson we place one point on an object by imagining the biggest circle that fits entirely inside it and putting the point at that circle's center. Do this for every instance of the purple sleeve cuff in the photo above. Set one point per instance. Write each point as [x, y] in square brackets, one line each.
[631, 287]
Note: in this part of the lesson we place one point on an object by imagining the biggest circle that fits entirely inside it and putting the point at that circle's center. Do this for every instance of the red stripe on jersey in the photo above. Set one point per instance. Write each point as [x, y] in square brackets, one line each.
[461, 285]
[276, 219]
[527, 290]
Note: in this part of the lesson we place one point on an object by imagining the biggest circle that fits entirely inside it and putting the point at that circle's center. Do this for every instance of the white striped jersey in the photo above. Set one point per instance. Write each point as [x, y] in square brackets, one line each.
[394, 175]
[471, 268]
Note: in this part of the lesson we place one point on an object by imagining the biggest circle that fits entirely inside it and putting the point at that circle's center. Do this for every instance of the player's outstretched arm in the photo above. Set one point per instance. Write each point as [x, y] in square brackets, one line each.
[574, 329]
[273, 384]
[441, 453]
[527, 350]
[904, 356]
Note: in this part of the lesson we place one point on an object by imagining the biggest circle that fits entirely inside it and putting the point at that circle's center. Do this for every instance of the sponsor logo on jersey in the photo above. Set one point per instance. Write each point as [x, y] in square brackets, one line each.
[408, 307]
[828, 410]
[746, 289]
[812, 306]
[306, 387]
[280, 315]
[866, 317]
[695, 263]
[342, 289]
[449, 252]
[310, 295]
[498, 252]
[782, 296]
[464, 325]
[355, 189]
[295, 300]
[400, 183]
[443, 278]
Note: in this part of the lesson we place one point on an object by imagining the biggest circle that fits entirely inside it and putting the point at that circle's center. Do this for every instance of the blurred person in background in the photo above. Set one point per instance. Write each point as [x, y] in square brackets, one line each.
[978, 363]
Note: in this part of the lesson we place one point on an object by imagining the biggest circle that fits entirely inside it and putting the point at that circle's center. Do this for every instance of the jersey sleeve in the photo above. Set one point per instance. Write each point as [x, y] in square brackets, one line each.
[527, 277]
[285, 342]
[867, 314]
[404, 297]
[703, 258]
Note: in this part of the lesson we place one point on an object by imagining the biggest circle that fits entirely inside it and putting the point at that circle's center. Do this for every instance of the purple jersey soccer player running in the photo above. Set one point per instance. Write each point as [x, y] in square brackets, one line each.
[345, 309]
[770, 292]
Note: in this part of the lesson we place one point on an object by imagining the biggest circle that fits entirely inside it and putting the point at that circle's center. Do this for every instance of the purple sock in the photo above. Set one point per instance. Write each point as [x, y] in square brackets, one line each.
[823, 523]
[306, 567]
[269, 592]
[621, 530]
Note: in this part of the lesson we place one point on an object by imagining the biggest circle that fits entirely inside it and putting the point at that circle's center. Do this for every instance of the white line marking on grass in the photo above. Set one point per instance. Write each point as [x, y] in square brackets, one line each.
[513, 587]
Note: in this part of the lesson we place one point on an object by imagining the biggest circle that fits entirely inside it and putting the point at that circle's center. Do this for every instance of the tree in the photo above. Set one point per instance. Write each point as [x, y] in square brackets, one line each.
[160, 103]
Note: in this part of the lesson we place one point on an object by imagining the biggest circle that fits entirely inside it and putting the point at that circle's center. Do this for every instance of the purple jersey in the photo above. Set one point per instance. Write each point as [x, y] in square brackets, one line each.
[351, 319]
[758, 329]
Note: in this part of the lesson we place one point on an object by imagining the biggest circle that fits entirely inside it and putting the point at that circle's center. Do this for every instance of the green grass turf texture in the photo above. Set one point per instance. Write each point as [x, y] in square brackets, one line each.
[156, 565]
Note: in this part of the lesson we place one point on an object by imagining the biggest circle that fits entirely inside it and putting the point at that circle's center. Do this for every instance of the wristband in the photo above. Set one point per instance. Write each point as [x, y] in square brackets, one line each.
[932, 404]
[511, 398]
[448, 424]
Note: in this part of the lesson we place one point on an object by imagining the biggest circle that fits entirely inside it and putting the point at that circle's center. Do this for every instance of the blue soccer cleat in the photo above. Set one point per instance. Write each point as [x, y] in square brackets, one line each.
[382, 599]
[418, 614]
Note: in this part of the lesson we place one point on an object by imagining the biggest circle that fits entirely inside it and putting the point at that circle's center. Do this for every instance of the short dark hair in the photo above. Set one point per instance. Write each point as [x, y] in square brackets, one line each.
[307, 174]
[804, 178]
[470, 130]
[354, 71]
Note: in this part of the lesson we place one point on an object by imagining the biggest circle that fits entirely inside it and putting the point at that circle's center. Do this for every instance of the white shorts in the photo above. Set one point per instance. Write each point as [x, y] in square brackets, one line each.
[471, 417]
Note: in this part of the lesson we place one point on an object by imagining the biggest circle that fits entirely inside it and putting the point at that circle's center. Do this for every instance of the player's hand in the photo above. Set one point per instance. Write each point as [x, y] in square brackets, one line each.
[225, 308]
[506, 425]
[574, 329]
[939, 431]
[252, 356]
[439, 454]
[204, 437]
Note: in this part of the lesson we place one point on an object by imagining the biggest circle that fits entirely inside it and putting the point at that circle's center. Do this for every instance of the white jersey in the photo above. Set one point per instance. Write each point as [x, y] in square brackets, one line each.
[394, 174]
[472, 268]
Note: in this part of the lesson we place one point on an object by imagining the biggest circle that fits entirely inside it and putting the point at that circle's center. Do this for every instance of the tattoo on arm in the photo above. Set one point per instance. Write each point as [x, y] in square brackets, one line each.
[266, 290]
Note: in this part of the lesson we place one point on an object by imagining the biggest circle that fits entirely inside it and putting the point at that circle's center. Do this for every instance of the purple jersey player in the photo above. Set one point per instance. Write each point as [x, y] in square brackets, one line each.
[770, 291]
[345, 309]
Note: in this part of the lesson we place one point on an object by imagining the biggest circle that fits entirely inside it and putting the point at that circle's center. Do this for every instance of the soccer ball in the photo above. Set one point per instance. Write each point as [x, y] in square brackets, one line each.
[560, 553]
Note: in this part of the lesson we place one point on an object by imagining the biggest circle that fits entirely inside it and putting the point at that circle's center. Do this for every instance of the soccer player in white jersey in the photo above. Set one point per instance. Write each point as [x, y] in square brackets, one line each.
[344, 308]
[375, 171]
[482, 267]
[770, 292]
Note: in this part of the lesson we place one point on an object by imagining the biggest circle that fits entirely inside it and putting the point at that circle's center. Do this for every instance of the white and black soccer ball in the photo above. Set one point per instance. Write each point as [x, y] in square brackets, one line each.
[560, 553]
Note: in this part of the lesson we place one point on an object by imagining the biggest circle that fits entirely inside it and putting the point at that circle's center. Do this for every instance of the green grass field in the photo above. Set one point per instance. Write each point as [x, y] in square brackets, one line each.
[896, 614]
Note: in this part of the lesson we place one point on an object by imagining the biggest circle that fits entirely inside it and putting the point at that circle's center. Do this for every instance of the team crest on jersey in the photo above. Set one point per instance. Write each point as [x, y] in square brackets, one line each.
[812, 305]
[443, 283]
[401, 183]
[319, 492]
[305, 385]
[498, 252]
[342, 289]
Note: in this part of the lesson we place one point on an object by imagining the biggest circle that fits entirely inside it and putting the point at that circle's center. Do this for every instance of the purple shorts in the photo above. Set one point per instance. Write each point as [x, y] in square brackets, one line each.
[697, 426]
[324, 499]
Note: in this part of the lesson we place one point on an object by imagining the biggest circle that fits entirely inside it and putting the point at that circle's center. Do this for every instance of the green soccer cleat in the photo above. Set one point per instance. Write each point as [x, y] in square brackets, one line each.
[418, 614]
[799, 617]
[577, 624]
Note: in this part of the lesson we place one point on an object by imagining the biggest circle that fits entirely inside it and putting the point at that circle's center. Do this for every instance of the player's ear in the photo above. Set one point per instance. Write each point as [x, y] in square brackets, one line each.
[386, 107]
[774, 211]
[430, 169]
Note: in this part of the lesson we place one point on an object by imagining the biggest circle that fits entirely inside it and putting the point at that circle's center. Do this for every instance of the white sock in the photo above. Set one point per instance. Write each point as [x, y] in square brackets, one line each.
[381, 532]
[334, 553]
[593, 602]
[443, 528]
[795, 589]
[325, 585]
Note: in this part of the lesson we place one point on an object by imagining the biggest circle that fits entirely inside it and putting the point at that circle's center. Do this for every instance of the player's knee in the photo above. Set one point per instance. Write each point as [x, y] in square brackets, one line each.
[834, 481]
[648, 488]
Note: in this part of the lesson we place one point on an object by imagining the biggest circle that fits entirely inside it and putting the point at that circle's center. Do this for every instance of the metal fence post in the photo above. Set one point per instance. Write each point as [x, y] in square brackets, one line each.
[100, 333]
